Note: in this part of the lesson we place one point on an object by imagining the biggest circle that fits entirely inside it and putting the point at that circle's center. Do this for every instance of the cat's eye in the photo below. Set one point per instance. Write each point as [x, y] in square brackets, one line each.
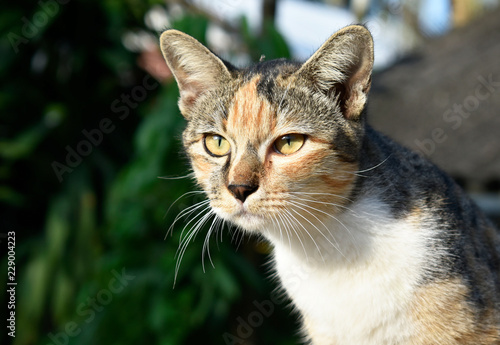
[289, 143]
[217, 145]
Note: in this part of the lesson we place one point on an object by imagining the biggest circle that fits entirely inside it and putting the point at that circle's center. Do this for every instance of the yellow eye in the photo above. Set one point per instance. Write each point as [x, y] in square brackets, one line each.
[289, 143]
[217, 145]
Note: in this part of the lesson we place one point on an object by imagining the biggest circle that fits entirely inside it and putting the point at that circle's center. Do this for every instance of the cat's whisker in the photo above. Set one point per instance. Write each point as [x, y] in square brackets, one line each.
[316, 194]
[337, 220]
[206, 243]
[289, 229]
[233, 232]
[219, 228]
[290, 226]
[190, 175]
[276, 223]
[334, 245]
[325, 203]
[354, 213]
[320, 193]
[307, 232]
[375, 166]
[201, 221]
[182, 196]
[285, 227]
[237, 236]
[185, 213]
[296, 221]
[189, 237]
[195, 219]
[348, 172]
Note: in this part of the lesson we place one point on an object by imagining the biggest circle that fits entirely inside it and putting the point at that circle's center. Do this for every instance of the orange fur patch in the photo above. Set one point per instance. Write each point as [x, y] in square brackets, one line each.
[201, 165]
[251, 116]
[341, 179]
[444, 317]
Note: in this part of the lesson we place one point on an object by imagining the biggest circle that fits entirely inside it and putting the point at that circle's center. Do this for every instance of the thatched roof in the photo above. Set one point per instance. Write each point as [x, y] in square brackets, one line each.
[439, 102]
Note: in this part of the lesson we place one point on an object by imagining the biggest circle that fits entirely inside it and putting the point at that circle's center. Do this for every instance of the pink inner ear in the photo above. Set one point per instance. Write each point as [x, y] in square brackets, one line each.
[190, 91]
[355, 103]
[357, 89]
[191, 87]
[194, 83]
[188, 98]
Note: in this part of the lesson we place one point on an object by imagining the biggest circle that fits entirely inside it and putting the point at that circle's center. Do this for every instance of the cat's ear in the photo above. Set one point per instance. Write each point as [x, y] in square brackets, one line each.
[195, 68]
[342, 68]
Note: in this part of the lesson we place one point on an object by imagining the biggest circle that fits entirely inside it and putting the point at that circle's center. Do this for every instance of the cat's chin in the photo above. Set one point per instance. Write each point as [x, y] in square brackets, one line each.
[246, 220]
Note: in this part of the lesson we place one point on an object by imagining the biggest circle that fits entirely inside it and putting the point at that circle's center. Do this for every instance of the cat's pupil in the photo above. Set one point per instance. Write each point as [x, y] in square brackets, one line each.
[288, 139]
[289, 143]
[216, 145]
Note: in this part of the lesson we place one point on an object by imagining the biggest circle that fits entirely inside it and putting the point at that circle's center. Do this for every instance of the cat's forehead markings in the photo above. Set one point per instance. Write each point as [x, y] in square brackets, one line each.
[251, 116]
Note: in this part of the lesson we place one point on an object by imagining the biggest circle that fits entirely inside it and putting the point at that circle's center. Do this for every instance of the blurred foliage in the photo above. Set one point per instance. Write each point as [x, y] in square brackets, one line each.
[93, 266]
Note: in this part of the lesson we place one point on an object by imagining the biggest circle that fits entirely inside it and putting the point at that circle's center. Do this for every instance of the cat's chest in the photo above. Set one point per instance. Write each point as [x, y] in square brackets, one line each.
[366, 300]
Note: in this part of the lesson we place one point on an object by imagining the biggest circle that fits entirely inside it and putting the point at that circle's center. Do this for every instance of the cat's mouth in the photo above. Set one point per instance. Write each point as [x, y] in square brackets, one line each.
[247, 219]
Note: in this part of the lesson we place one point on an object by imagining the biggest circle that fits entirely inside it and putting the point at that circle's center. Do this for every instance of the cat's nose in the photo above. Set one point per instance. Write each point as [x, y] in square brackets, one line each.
[242, 191]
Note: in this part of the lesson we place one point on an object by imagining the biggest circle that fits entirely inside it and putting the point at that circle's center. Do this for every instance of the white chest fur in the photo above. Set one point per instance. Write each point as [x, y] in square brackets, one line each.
[359, 294]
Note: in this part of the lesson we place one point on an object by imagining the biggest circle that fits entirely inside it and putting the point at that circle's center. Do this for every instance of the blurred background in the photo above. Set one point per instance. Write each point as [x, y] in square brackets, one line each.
[89, 124]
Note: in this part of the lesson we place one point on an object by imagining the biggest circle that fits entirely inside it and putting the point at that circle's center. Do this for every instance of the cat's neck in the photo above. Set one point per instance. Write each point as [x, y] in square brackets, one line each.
[372, 274]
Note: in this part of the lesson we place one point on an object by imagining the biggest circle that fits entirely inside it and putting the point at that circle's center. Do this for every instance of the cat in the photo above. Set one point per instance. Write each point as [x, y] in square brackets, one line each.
[372, 243]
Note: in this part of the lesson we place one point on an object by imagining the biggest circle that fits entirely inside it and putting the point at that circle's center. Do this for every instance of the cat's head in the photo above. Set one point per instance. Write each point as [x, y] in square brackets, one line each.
[279, 141]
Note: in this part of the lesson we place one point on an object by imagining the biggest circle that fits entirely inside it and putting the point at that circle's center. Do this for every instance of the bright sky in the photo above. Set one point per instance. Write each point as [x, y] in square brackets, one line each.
[306, 25]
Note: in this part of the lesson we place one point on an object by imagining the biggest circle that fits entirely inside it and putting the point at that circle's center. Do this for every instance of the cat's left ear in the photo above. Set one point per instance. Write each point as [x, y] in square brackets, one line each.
[195, 68]
[342, 68]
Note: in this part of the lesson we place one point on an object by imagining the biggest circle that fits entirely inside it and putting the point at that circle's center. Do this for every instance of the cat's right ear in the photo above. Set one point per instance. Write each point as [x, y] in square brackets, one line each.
[195, 68]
